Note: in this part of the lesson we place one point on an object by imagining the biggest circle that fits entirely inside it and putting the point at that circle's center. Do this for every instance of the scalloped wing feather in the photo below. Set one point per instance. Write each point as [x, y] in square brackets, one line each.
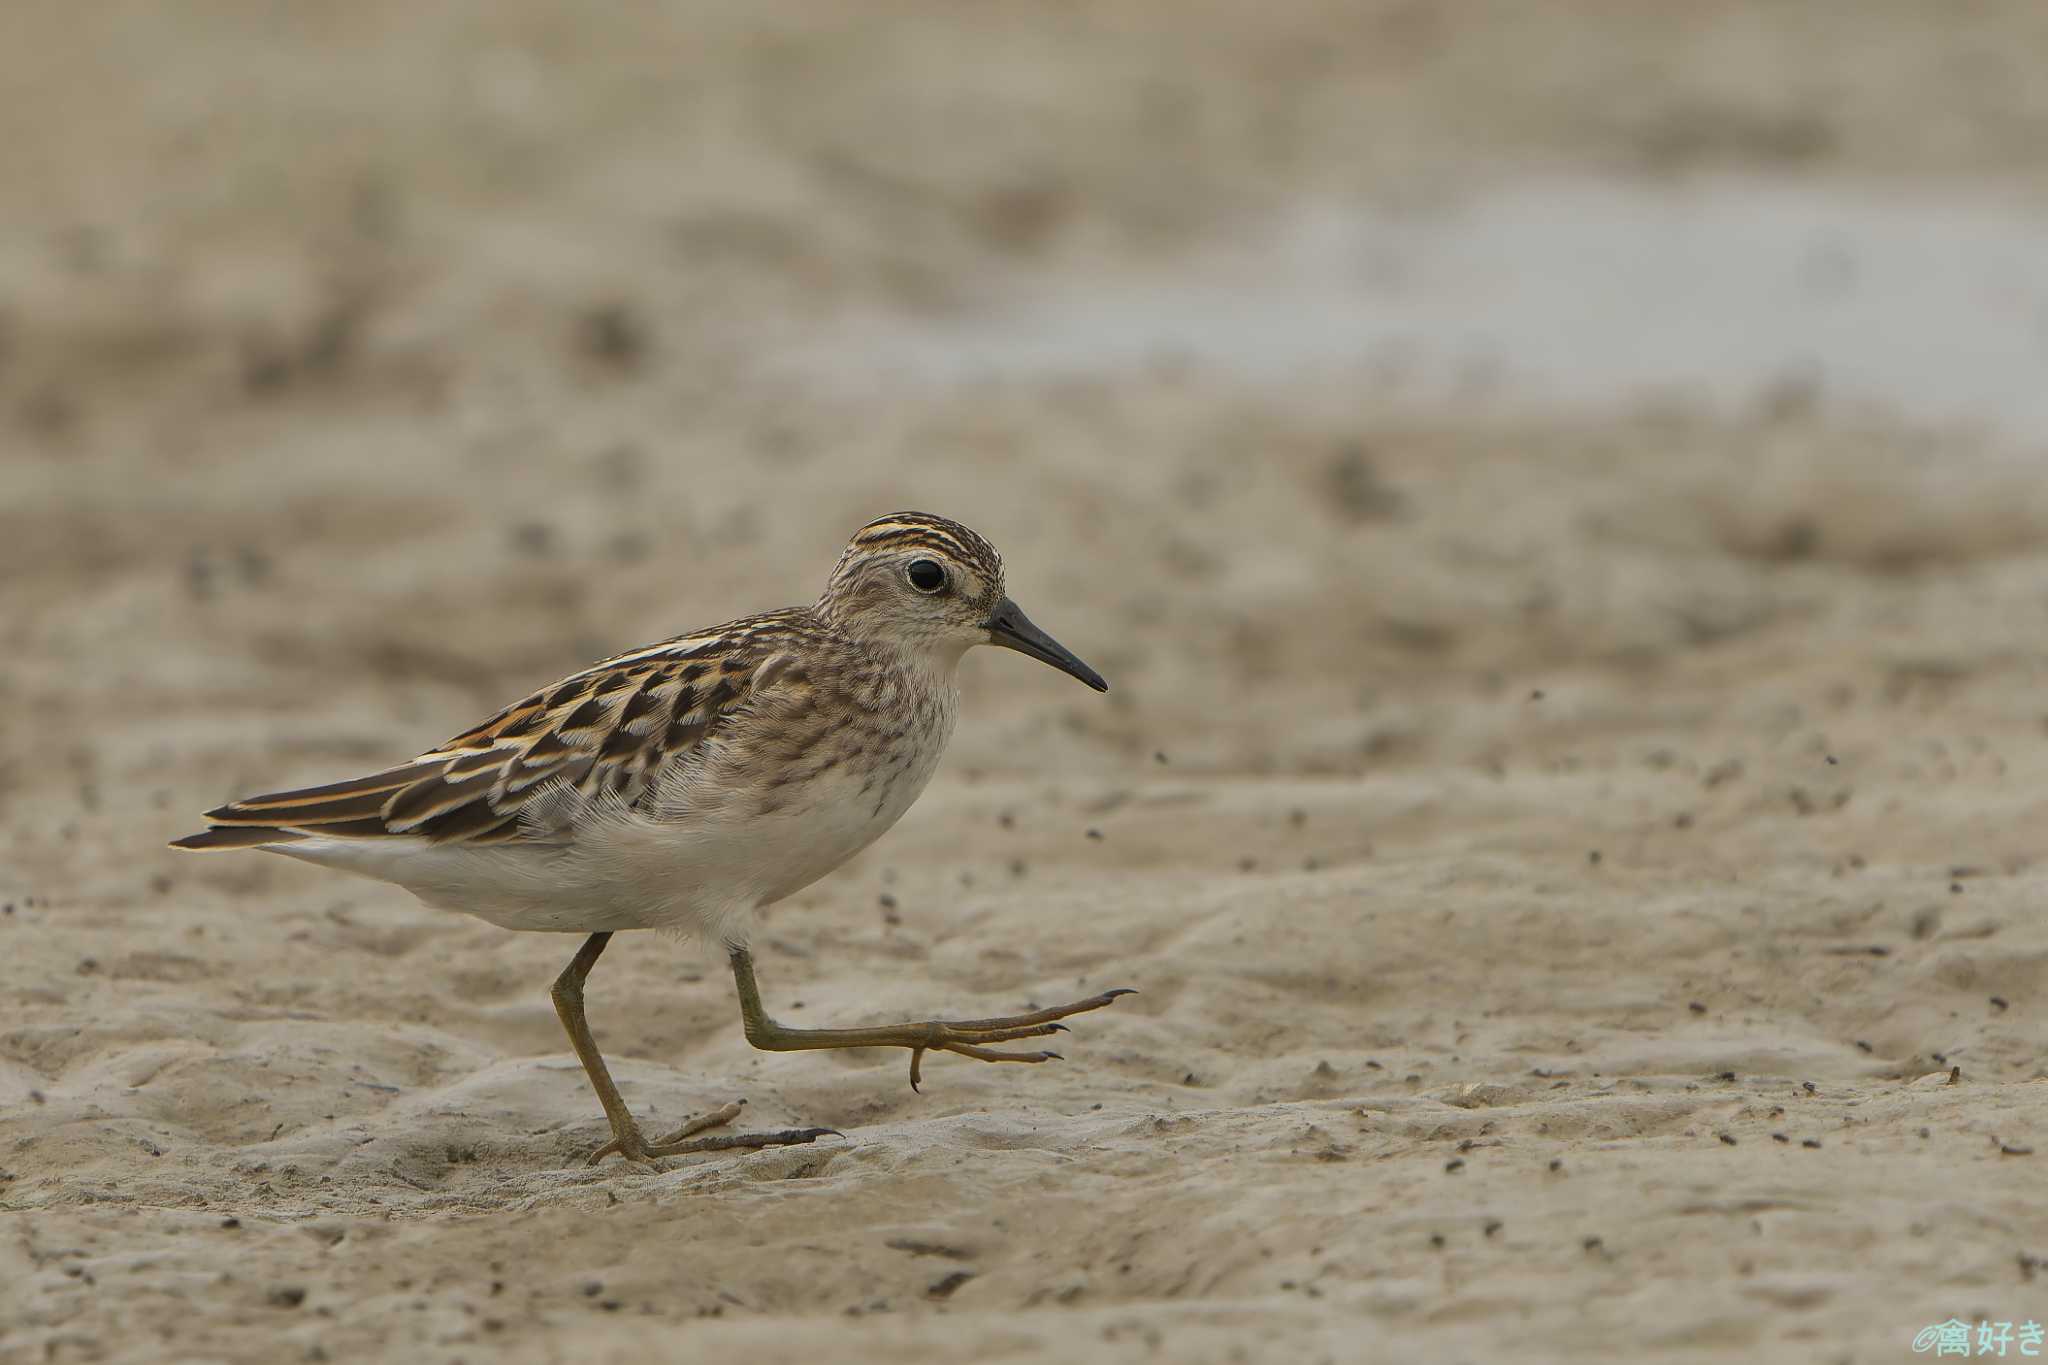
[608, 730]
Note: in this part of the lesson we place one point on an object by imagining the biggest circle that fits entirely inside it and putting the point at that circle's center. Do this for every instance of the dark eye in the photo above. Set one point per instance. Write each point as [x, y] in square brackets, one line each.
[926, 575]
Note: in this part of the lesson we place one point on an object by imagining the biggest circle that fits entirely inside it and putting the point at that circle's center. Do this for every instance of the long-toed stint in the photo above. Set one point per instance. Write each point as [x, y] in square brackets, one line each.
[687, 784]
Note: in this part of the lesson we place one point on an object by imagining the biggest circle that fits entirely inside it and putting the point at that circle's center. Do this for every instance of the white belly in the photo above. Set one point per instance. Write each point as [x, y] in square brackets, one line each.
[699, 861]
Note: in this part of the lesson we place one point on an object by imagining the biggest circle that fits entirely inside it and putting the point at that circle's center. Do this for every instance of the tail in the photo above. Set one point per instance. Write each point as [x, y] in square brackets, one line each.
[243, 836]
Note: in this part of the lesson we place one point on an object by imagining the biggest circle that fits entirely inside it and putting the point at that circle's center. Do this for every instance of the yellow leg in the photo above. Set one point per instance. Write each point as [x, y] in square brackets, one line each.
[965, 1037]
[567, 994]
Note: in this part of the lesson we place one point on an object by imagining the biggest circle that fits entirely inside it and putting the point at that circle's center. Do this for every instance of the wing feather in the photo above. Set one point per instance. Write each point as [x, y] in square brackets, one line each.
[611, 728]
[236, 812]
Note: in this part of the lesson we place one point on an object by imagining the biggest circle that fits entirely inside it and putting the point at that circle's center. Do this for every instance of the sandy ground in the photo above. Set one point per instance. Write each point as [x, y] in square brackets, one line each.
[1581, 867]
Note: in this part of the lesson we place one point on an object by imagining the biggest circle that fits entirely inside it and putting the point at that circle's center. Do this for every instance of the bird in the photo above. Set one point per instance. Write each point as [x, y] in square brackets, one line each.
[688, 784]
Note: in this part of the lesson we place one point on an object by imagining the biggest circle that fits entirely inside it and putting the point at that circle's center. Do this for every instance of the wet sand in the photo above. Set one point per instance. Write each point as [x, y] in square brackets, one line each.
[1568, 809]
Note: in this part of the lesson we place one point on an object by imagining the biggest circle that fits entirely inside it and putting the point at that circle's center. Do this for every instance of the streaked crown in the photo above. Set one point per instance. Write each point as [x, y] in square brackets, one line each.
[922, 530]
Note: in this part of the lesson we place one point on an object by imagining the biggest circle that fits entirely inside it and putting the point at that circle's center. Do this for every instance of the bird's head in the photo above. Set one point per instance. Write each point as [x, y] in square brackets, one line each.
[934, 589]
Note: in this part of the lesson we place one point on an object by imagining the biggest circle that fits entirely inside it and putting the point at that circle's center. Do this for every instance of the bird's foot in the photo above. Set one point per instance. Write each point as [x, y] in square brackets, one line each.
[633, 1147]
[970, 1037]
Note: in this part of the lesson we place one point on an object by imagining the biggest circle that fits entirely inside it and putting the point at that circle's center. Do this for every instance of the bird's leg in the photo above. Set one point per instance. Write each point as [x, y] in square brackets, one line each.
[966, 1037]
[567, 994]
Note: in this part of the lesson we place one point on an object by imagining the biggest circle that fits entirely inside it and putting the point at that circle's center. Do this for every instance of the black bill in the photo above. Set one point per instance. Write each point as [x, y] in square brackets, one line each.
[1009, 627]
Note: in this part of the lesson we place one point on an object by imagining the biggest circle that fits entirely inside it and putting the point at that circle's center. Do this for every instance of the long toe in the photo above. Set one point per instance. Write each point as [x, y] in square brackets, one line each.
[983, 1054]
[717, 1118]
[787, 1137]
[956, 1034]
[1044, 1016]
[964, 1037]
[980, 1054]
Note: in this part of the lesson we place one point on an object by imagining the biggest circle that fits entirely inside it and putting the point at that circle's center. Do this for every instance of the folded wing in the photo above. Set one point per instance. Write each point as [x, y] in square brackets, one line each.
[608, 730]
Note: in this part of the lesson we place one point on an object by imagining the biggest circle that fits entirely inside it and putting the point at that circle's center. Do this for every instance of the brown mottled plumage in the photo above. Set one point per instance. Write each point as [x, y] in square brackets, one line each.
[686, 784]
[607, 731]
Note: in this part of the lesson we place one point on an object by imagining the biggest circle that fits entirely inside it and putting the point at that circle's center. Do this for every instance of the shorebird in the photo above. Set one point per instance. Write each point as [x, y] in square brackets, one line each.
[687, 784]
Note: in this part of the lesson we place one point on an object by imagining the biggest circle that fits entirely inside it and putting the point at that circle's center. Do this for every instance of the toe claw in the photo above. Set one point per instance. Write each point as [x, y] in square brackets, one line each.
[1058, 1028]
[1050, 1057]
[1120, 990]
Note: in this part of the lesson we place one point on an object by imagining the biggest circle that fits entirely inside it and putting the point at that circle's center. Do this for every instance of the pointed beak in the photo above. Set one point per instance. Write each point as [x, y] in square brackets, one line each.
[1009, 627]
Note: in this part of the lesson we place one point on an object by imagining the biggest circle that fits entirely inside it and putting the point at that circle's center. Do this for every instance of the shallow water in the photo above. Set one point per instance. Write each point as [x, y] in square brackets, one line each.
[1570, 292]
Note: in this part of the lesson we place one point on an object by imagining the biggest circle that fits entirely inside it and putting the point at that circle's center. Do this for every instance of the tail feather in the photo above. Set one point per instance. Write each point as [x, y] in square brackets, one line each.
[241, 836]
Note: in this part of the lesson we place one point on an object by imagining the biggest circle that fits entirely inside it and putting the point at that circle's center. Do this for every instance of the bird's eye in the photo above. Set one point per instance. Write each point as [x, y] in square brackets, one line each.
[926, 575]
